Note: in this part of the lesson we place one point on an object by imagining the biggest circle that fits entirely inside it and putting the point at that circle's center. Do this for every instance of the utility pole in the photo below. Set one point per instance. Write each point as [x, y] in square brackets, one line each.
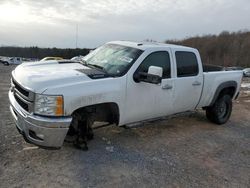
[76, 35]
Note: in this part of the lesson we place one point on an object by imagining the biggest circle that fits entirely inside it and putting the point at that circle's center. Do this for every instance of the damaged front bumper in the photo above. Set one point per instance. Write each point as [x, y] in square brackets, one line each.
[46, 132]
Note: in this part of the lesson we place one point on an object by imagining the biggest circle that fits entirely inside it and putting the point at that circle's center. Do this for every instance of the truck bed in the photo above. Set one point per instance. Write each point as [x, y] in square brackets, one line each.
[212, 78]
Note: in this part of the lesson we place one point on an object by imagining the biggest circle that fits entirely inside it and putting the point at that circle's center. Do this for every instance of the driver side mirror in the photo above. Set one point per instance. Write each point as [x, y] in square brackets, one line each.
[153, 76]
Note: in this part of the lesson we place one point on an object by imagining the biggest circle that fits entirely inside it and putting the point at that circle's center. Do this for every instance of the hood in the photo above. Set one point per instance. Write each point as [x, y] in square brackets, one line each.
[38, 76]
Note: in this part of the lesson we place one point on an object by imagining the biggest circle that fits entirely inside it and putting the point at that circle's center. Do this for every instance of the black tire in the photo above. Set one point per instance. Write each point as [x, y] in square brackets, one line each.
[6, 63]
[220, 112]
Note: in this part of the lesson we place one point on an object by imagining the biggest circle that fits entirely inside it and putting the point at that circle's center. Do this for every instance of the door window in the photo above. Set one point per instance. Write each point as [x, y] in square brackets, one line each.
[187, 64]
[159, 59]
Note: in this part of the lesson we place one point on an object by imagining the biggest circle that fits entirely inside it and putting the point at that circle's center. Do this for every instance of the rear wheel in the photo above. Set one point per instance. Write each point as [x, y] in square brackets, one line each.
[220, 112]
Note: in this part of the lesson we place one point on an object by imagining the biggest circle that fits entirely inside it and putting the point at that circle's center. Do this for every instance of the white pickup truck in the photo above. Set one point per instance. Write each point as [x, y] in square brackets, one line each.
[119, 83]
[12, 61]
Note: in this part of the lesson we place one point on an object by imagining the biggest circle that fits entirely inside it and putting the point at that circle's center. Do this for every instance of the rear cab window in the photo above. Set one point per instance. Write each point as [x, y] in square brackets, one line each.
[186, 64]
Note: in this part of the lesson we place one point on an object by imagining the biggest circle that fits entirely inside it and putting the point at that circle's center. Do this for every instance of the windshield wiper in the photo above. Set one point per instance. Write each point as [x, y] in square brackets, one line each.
[97, 66]
[84, 62]
[92, 65]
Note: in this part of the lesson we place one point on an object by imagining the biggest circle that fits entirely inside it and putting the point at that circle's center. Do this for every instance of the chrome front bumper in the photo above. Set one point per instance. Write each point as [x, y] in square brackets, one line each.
[42, 131]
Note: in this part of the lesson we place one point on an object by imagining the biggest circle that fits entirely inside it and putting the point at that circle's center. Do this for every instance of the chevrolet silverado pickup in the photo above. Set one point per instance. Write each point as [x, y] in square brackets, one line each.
[120, 83]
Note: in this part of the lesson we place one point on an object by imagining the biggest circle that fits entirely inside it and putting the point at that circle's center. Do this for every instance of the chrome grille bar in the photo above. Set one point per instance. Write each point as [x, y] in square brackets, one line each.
[23, 96]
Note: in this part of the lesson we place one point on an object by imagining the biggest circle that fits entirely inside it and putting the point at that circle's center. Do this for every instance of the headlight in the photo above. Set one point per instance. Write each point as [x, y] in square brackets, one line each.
[48, 105]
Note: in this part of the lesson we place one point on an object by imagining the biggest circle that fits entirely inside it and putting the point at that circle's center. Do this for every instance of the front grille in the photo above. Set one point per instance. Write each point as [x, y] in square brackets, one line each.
[20, 89]
[24, 97]
[21, 103]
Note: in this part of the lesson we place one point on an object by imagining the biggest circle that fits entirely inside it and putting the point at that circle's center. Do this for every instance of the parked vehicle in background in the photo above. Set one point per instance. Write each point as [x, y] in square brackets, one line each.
[51, 58]
[77, 58]
[246, 72]
[120, 83]
[25, 60]
[234, 68]
[2, 61]
[12, 61]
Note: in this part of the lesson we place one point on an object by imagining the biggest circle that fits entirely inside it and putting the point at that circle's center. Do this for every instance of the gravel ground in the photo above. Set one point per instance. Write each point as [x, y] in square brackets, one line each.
[186, 151]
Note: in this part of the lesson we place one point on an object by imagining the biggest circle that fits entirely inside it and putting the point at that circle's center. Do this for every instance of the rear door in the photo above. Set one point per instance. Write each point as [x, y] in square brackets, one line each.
[188, 80]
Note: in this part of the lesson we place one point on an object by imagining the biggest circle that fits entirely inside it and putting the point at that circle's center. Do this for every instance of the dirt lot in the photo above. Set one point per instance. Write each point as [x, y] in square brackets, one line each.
[187, 151]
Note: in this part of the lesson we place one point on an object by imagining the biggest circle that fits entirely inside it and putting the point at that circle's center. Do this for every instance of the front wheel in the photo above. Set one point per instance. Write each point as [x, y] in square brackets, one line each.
[220, 112]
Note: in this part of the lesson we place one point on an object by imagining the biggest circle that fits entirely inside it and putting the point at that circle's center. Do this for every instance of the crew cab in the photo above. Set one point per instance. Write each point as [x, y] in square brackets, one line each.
[119, 83]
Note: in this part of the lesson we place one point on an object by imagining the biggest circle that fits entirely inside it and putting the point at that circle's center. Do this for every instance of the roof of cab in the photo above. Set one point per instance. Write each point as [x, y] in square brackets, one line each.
[147, 45]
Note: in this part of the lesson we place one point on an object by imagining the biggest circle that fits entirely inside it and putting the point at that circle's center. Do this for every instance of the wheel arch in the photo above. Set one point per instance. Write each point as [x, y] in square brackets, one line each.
[108, 111]
[6, 63]
[228, 87]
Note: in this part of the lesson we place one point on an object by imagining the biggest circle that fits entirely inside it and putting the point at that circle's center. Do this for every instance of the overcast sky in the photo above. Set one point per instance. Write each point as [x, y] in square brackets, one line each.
[52, 23]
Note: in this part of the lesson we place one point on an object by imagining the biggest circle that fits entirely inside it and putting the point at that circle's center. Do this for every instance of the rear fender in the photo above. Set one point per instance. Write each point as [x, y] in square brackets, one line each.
[221, 87]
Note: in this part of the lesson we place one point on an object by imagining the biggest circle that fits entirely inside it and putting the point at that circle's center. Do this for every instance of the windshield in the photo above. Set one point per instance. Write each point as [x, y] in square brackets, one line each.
[114, 59]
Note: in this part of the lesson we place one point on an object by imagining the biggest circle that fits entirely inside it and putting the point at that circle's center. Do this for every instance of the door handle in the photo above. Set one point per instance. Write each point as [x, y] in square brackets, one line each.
[196, 83]
[167, 86]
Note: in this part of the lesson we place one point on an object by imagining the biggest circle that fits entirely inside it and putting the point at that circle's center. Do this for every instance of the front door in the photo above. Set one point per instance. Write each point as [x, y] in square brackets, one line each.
[146, 100]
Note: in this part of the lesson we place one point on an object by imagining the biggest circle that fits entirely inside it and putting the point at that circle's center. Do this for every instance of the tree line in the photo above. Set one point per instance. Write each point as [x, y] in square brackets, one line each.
[225, 49]
[39, 53]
